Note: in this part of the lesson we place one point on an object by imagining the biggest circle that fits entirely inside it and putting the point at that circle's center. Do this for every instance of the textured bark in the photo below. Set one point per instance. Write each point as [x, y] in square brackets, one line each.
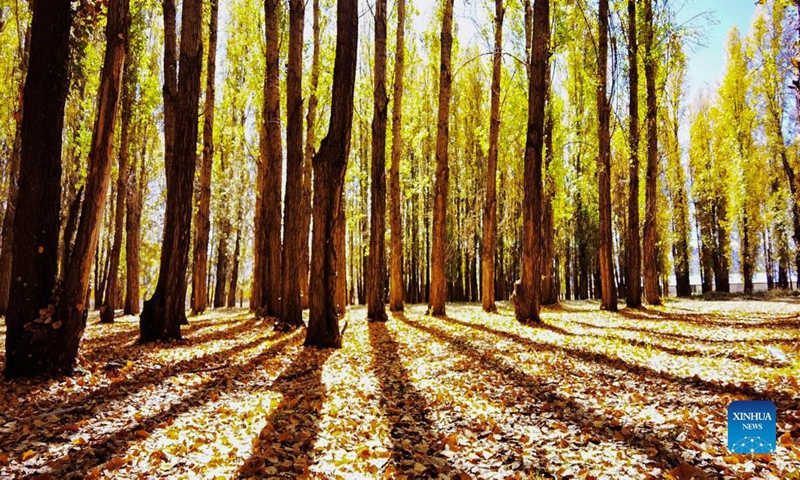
[112, 285]
[235, 268]
[527, 300]
[222, 266]
[330, 164]
[490, 206]
[170, 88]
[376, 269]
[269, 265]
[203, 219]
[395, 216]
[549, 288]
[340, 236]
[651, 292]
[164, 312]
[311, 122]
[633, 245]
[438, 259]
[7, 235]
[291, 314]
[133, 236]
[606, 254]
[30, 352]
[69, 232]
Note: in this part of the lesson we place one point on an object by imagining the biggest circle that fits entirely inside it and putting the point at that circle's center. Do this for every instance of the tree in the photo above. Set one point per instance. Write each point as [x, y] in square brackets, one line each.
[267, 246]
[291, 309]
[330, 164]
[651, 289]
[490, 205]
[527, 291]
[633, 245]
[396, 265]
[376, 270]
[164, 312]
[438, 293]
[608, 287]
[202, 220]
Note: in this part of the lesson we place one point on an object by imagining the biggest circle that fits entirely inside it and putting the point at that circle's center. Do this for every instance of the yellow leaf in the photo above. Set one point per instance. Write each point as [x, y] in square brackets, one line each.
[28, 454]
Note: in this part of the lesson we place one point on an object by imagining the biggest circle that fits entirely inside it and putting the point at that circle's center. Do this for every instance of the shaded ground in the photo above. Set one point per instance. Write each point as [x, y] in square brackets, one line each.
[469, 395]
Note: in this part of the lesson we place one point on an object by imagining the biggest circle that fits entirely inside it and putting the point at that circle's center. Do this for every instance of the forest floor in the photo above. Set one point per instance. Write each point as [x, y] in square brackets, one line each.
[637, 394]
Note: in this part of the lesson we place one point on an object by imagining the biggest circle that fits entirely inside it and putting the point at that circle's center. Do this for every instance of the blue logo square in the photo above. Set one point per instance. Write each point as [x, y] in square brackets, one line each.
[751, 427]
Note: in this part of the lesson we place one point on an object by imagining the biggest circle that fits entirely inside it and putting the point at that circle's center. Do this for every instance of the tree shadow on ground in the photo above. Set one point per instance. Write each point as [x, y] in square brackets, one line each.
[711, 319]
[115, 443]
[413, 437]
[285, 445]
[783, 399]
[570, 410]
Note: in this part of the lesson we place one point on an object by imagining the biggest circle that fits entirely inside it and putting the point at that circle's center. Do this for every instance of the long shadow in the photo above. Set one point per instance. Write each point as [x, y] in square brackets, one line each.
[709, 319]
[412, 434]
[293, 426]
[780, 398]
[83, 406]
[682, 337]
[683, 351]
[232, 380]
[642, 437]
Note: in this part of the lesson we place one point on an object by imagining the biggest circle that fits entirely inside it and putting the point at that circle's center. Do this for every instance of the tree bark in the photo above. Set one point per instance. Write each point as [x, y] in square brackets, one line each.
[608, 288]
[330, 164]
[527, 291]
[128, 93]
[438, 293]
[376, 270]
[203, 220]
[235, 268]
[133, 236]
[340, 235]
[490, 207]
[29, 351]
[549, 288]
[7, 235]
[291, 314]
[651, 292]
[222, 265]
[395, 215]
[633, 245]
[311, 122]
[164, 312]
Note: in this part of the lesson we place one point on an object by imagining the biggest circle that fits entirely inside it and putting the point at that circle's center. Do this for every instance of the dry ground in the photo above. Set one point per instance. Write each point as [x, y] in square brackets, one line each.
[586, 394]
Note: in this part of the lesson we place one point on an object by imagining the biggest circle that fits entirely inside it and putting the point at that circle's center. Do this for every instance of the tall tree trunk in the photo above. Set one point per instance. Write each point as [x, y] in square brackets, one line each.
[527, 291]
[376, 270]
[164, 312]
[170, 89]
[133, 235]
[651, 293]
[222, 265]
[7, 235]
[311, 121]
[490, 207]
[633, 244]
[549, 288]
[235, 268]
[606, 254]
[203, 220]
[30, 352]
[291, 309]
[330, 164]
[128, 94]
[340, 236]
[438, 258]
[396, 264]
[272, 158]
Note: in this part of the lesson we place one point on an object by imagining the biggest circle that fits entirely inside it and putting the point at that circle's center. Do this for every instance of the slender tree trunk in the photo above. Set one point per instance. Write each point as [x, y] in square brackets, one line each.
[376, 269]
[549, 288]
[311, 120]
[606, 254]
[633, 244]
[170, 89]
[291, 314]
[112, 285]
[31, 351]
[396, 268]
[650, 234]
[330, 164]
[527, 291]
[490, 207]
[222, 265]
[70, 314]
[340, 236]
[163, 314]
[202, 222]
[133, 236]
[438, 258]
[235, 268]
